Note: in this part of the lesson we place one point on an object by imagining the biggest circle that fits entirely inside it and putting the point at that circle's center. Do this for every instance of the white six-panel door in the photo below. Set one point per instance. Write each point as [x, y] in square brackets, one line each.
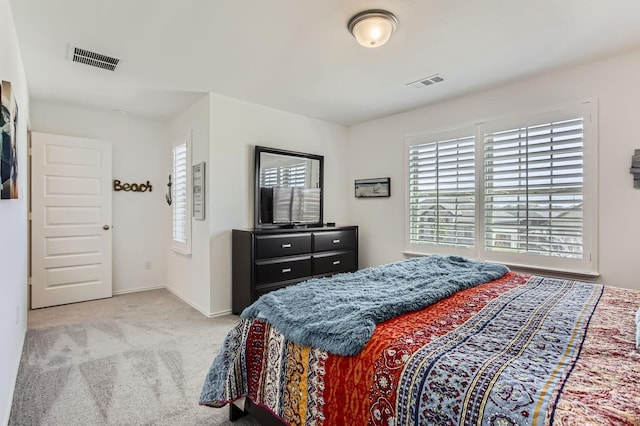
[71, 219]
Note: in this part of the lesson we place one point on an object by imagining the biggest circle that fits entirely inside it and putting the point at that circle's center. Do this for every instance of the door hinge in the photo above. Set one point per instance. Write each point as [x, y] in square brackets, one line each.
[30, 152]
[29, 216]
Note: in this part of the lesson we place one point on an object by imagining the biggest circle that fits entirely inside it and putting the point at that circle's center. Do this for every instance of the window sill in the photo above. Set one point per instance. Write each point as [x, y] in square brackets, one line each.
[181, 251]
[554, 273]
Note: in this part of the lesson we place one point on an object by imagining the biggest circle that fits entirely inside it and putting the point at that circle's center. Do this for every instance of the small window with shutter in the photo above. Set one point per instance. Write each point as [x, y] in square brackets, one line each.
[181, 223]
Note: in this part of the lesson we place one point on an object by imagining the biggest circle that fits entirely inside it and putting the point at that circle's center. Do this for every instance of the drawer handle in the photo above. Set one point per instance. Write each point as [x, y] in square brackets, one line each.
[285, 270]
[336, 262]
[286, 246]
[336, 241]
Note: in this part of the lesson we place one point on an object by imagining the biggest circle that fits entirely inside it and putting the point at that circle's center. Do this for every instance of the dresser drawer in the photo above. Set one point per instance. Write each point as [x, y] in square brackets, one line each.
[268, 288]
[332, 263]
[262, 290]
[334, 240]
[272, 271]
[282, 245]
[265, 260]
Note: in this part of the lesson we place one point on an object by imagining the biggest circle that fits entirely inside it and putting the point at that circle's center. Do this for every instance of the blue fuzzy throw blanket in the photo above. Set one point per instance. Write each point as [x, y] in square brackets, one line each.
[340, 313]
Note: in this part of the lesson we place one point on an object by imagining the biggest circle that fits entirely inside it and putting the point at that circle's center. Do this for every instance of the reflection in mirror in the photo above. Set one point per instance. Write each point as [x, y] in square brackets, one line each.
[288, 188]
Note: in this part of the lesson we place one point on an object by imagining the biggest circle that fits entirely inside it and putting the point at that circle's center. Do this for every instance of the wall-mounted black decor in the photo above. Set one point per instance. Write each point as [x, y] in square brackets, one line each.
[369, 188]
[168, 194]
[635, 168]
[133, 187]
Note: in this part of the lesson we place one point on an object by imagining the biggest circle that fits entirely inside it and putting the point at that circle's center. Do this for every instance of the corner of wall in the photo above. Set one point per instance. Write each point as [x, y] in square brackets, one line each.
[13, 215]
[188, 277]
[14, 380]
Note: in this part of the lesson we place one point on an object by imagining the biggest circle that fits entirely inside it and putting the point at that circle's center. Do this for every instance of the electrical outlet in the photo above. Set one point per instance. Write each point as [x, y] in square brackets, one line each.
[147, 264]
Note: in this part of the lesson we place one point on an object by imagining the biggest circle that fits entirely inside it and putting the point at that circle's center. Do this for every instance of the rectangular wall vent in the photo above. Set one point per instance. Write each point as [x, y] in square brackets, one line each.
[94, 59]
[418, 84]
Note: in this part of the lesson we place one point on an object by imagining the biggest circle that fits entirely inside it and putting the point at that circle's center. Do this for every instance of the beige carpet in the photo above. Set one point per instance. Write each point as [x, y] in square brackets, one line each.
[135, 359]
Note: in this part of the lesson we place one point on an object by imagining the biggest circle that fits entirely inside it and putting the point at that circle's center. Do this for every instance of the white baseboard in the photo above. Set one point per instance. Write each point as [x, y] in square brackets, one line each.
[198, 308]
[135, 290]
[12, 390]
[220, 313]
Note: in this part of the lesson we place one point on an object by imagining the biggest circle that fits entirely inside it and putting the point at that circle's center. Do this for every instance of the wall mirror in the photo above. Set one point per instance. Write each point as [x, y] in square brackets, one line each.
[288, 188]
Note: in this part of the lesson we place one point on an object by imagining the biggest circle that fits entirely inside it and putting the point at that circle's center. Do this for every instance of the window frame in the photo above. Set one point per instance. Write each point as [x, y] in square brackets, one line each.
[588, 265]
[182, 247]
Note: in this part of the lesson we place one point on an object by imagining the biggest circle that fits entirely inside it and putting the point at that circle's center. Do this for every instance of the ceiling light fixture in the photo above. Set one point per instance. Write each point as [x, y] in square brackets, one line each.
[372, 28]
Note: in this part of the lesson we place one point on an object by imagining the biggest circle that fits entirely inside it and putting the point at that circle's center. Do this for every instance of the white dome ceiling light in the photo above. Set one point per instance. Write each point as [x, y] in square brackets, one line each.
[373, 28]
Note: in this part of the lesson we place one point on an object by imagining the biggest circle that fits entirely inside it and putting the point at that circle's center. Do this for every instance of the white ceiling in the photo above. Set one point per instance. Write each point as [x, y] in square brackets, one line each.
[297, 55]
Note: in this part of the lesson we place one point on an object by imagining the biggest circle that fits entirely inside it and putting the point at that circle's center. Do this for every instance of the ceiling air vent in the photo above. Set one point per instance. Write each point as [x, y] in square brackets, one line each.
[94, 59]
[418, 84]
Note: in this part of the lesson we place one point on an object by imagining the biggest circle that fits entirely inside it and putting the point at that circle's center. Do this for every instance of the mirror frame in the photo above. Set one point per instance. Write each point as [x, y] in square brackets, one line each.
[256, 189]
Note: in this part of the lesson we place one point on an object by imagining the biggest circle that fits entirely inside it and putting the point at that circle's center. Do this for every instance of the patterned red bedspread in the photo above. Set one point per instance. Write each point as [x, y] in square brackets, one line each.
[518, 350]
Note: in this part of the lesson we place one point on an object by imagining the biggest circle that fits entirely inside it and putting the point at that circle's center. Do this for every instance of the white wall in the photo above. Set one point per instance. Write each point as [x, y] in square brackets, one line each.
[236, 127]
[139, 154]
[13, 225]
[615, 82]
[188, 275]
[224, 132]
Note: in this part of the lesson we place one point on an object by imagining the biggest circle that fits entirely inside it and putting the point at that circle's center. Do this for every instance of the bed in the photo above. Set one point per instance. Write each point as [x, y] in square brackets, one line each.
[510, 350]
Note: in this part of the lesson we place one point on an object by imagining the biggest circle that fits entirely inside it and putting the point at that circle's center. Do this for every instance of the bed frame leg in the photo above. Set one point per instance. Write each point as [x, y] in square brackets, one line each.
[235, 413]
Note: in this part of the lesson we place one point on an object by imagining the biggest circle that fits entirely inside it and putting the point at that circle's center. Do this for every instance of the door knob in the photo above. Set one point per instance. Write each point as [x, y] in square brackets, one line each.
[106, 227]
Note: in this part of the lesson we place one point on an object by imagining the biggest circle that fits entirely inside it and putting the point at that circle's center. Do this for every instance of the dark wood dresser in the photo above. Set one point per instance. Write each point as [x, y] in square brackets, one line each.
[266, 260]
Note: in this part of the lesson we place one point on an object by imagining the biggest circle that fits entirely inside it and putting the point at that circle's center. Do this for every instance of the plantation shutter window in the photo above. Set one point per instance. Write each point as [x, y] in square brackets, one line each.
[293, 175]
[180, 193]
[269, 177]
[442, 192]
[181, 215]
[533, 189]
[519, 190]
[296, 175]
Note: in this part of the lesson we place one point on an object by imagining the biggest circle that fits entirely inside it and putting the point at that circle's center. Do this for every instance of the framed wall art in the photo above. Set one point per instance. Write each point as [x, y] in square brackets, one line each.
[370, 188]
[199, 197]
[8, 142]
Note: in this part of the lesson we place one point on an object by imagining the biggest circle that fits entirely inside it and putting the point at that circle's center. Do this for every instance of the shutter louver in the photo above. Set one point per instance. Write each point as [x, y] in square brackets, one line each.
[442, 192]
[297, 175]
[269, 177]
[294, 175]
[533, 189]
